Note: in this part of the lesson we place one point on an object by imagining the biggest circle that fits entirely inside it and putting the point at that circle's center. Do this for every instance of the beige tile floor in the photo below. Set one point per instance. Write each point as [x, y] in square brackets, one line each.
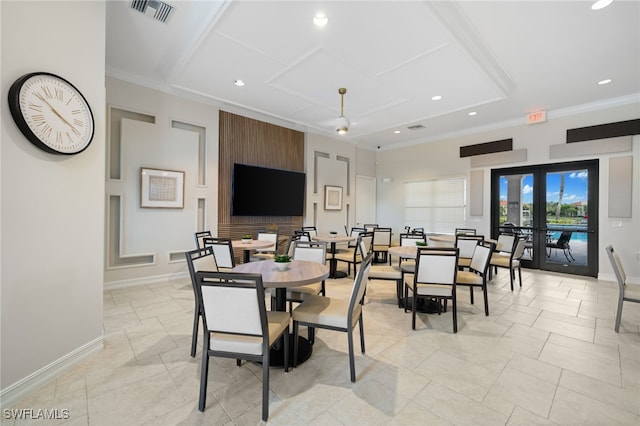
[547, 354]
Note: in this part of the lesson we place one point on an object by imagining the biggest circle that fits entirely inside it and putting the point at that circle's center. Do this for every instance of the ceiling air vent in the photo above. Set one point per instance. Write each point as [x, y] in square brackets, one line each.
[416, 127]
[156, 9]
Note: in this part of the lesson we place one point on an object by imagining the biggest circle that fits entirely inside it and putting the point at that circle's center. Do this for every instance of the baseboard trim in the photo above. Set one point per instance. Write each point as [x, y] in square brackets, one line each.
[35, 380]
[134, 282]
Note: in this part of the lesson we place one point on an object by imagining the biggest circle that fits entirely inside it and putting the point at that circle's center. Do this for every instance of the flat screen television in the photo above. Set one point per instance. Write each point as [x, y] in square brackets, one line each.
[261, 191]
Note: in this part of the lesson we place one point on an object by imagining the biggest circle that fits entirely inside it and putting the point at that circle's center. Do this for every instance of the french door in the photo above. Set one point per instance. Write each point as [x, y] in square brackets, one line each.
[555, 208]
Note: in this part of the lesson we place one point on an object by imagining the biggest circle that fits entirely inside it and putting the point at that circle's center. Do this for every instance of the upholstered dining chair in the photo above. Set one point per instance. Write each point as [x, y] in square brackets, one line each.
[625, 293]
[199, 260]
[381, 244]
[467, 245]
[237, 325]
[353, 256]
[223, 250]
[312, 230]
[200, 236]
[267, 253]
[434, 278]
[335, 314]
[390, 272]
[313, 251]
[478, 270]
[512, 260]
[466, 231]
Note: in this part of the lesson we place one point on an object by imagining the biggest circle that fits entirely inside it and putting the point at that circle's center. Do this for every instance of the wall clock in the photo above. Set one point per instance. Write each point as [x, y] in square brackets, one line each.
[51, 113]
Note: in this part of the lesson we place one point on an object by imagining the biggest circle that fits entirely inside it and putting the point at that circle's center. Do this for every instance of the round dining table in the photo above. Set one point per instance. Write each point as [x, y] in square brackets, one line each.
[333, 262]
[298, 273]
[248, 246]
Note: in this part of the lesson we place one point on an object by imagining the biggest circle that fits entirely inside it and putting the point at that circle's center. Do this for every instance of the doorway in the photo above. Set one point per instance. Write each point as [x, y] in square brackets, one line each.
[554, 208]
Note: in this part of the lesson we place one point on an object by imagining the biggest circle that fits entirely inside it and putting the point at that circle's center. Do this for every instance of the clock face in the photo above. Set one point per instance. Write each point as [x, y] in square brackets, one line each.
[51, 113]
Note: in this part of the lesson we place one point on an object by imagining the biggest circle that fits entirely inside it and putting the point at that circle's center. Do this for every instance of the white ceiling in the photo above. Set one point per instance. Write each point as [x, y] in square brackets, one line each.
[502, 59]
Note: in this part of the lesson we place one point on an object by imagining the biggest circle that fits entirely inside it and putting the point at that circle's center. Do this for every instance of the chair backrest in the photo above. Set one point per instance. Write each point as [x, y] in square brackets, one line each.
[617, 267]
[359, 287]
[313, 251]
[313, 232]
[200, 236]
[467, 245]
[302, 235]
[223, 250]
[355, 232]
[436, 265]
[365, 243]
[563, 239]
[481, 257]
[407, 230]
[465, 231]
[411, 239]
[268, 236]
[382, 237]
[506, 243]
[370, 226]
[233, 303]
[200, 260]
[518, 250]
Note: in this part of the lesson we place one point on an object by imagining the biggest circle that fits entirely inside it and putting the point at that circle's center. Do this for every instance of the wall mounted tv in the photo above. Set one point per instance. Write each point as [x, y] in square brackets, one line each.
[260, 191]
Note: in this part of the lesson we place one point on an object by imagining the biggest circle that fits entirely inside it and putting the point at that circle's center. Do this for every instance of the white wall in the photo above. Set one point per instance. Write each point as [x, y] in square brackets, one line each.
[159, 233]
[52, 206]
[442, 159]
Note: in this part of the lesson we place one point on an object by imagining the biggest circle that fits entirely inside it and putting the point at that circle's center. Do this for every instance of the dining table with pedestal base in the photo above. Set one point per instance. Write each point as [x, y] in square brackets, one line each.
[249, 245]
[297, 273]
[332, 240]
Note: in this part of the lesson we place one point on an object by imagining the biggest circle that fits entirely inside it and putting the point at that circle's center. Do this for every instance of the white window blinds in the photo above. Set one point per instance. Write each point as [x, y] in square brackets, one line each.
[438, 206]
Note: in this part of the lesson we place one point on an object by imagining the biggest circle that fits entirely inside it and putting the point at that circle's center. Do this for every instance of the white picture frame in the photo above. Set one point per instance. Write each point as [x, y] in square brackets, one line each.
[161, 188]
[332, 197]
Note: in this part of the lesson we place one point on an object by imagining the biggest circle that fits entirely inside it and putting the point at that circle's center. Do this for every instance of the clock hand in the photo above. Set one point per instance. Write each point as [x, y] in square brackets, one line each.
[56, 112]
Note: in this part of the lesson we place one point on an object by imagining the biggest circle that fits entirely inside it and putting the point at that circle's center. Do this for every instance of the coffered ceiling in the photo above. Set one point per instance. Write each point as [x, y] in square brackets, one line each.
[499, 59]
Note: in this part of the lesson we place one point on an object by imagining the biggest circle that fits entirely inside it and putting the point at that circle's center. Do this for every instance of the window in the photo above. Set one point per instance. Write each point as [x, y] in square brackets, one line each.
[436, 205]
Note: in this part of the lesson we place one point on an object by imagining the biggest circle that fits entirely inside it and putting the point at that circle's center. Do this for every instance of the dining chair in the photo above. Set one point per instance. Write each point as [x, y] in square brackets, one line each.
[625, 293]
[512, 260]
[435, 278]
[465, 231]
[369, 227]
[267, 253]
[313, 251]
[200, 236]
[410, 240]
[335, 314]
[303, 235]
[478, 270]
[381, 244]
[237, 325]
[467, 245]
[390, 272]
[353, 256]
[504, 246]
[312, 230]
[223, 250]
[198, 260]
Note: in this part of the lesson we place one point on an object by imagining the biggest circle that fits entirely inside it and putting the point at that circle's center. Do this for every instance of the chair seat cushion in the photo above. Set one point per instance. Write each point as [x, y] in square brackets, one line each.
[500, 260]
[408, 267]
[436, 290]
[348, 257]
[464, 262]
[326, 311]
[278, 322]
[385, 272]
[377, 247]
[468, 278]
[299, 293]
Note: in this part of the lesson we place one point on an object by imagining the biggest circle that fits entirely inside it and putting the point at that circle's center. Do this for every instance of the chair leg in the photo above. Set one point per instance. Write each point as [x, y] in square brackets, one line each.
[311, 334]
[399, 292]
[520, 274]
[414, 307]
[471, 293]
[265, 386]
[194, 336]
[486, 299]
[361, 334]
[511, 276]
[285, 337]
[352, 363]
[295, 344]
[204, 375]
[619, 314]
[454, 308]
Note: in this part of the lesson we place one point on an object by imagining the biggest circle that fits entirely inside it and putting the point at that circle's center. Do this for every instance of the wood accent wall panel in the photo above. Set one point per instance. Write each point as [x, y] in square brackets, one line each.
[256, 143]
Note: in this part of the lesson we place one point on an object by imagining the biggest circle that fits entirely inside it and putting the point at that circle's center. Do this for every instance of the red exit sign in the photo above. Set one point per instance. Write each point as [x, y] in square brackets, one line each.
[537, 117]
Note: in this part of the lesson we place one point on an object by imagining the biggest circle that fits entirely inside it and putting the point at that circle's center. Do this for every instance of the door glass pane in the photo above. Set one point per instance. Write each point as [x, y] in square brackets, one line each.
[516, 208]
[567, 220]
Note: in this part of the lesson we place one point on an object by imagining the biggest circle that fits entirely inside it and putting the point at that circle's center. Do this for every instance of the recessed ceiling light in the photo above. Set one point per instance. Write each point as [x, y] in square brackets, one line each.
[436, 98]
[396, 131]
[472, 113]
[320, 20]
[601, 4]
[239, 83]
[605, 81]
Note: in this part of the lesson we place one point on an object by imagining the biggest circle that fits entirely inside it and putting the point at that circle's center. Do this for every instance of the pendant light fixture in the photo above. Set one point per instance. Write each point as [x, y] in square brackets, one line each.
[342, 126]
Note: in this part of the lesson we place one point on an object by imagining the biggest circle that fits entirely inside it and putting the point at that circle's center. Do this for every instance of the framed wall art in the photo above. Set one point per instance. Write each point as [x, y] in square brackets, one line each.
[332, 197]
[161, 188]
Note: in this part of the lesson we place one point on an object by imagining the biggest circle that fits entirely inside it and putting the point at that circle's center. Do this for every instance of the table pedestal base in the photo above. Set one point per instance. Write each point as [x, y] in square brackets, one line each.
[276, 356]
